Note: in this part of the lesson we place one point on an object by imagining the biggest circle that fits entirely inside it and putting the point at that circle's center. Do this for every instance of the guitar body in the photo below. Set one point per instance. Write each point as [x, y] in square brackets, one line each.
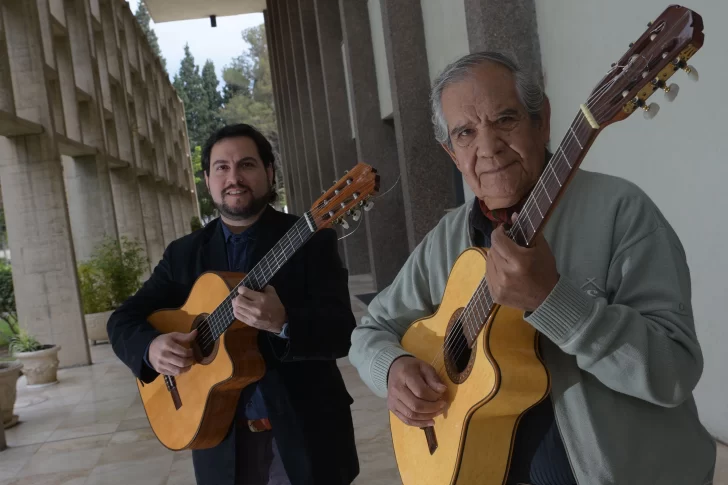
[209, 391]
[487, 391]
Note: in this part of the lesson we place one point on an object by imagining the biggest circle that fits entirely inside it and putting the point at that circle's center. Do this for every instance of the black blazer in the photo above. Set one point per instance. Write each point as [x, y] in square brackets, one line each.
[304, 392]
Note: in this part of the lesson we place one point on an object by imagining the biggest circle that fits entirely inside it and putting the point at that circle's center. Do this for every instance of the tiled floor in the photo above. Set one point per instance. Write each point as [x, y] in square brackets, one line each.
[90, 429]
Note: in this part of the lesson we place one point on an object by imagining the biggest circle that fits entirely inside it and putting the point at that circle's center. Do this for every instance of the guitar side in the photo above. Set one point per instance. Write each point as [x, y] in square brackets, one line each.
[209, 391]
[502, 380]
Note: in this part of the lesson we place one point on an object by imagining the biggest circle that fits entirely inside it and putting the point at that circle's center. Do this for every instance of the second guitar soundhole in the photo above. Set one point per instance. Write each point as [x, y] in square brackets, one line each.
[459, 349]
[204, 346]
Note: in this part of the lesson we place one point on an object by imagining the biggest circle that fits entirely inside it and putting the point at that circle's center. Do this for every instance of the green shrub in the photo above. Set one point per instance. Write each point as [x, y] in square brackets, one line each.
[195, 223]
[112, 275]
[8, 314]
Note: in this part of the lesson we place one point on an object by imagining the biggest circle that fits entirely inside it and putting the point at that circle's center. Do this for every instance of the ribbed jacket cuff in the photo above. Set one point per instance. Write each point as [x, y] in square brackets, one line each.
[564, 310]
[380, 367]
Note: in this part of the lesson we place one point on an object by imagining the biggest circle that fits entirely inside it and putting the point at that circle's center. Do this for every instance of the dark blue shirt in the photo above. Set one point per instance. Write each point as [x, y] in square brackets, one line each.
[539, 456]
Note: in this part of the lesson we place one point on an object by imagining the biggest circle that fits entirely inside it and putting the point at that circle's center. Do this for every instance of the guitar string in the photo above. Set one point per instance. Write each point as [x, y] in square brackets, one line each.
[569, 137]
[215, 322]
[466, 316]
[216, 318]
[597, 112]
[219, 319]
[482, 289]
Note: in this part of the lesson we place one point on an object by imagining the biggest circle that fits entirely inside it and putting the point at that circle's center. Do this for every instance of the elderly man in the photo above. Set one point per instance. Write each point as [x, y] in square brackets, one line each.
[607, 286]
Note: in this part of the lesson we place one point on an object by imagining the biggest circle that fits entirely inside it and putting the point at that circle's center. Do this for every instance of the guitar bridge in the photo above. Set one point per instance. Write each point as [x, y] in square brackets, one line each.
[172, 388]
[431, 439]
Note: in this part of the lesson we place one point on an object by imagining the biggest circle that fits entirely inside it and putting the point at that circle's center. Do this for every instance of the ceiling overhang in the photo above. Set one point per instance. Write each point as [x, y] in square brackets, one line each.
[172, 10]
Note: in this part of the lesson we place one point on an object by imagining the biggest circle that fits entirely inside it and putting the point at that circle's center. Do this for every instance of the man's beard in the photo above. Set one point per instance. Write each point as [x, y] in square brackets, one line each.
[249, 210]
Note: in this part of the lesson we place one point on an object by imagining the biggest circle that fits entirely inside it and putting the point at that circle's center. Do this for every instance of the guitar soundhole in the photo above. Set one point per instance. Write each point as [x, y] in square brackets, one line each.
[459, 349]
[204, 346]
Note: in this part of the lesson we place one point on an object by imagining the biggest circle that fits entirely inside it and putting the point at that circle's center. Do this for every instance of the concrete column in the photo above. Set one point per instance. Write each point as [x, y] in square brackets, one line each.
[127, 205]
[328, 25]
[177, 219]
[427, 181]
[90, 203]
[308, 145]
[39, 236]
[281, 116]
[375, 141]
[152, 219]
[507, 26]
[166, 214]
[279, 13]
[317, 101]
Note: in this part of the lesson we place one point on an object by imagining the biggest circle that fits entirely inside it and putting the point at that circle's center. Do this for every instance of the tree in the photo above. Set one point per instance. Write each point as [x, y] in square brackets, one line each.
[207, 208]
[248, 93]
[144, 20]
[188, 84]
[211, 117]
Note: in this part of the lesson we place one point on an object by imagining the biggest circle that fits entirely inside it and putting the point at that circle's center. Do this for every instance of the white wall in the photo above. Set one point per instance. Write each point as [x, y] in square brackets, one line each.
[680, 158]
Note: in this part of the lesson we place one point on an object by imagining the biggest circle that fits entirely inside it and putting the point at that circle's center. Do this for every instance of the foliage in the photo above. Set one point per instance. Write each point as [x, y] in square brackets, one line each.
[112, 275]
[24, 342]
[144, 20]
[8, 314]
[195, 223]
[248, 92]
[207, 207]
[188, 84]
[247, 97]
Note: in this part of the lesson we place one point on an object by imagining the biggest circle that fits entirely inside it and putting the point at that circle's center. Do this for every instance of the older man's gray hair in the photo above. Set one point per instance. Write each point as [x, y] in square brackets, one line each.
[530, 93]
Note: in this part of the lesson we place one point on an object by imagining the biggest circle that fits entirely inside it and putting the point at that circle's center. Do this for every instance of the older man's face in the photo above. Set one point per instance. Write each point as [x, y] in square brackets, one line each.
[496, 145]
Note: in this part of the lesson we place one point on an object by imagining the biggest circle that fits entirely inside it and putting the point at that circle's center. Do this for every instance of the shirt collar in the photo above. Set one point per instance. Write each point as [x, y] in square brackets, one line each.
[248, 234]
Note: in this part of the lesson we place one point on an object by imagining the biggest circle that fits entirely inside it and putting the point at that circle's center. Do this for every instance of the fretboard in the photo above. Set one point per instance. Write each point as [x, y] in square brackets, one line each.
[220, 319]
[535, 212]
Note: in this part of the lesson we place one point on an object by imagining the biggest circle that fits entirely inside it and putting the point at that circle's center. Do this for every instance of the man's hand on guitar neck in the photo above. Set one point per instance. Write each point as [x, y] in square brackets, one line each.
[520, 277]
[170, 353]
[260, 309]
[414, 392]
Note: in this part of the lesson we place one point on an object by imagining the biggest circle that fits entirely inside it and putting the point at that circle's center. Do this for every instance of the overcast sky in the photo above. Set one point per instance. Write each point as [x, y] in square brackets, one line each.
[220, 44]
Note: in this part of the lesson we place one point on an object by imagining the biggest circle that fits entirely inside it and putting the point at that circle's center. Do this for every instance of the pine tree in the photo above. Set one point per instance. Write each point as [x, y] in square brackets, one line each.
[213, 121]
[144, 20]
[188, 84]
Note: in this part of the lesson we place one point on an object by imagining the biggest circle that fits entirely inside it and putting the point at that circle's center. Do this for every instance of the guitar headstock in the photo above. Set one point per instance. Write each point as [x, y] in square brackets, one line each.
[662, 50]
[346, 197]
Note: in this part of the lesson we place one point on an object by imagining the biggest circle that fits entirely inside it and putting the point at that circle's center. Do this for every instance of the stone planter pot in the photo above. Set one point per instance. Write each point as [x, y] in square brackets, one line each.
[9, 375]
[96, 326]
[40, 367]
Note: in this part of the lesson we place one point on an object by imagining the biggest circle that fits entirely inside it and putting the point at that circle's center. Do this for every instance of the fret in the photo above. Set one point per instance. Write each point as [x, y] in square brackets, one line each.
[222, 317]
[564, 160]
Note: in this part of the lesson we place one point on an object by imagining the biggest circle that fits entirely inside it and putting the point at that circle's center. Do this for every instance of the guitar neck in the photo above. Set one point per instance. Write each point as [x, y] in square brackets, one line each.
[553, 181]
[220, 319]
[539, 206]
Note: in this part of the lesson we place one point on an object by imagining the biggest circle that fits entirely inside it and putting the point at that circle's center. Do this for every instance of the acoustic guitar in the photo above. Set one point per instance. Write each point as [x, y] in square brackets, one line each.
[487, 355]
[195, 410]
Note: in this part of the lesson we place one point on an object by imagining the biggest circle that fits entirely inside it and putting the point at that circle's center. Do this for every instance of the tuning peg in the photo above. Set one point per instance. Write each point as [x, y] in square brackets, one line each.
[651, 110]
[692, 73]
[344, 224]
[671, 92]
[357, 215]
[368, 206]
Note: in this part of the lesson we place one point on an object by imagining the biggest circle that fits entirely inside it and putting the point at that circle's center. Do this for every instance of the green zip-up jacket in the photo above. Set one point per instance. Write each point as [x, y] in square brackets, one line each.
[617, 333]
